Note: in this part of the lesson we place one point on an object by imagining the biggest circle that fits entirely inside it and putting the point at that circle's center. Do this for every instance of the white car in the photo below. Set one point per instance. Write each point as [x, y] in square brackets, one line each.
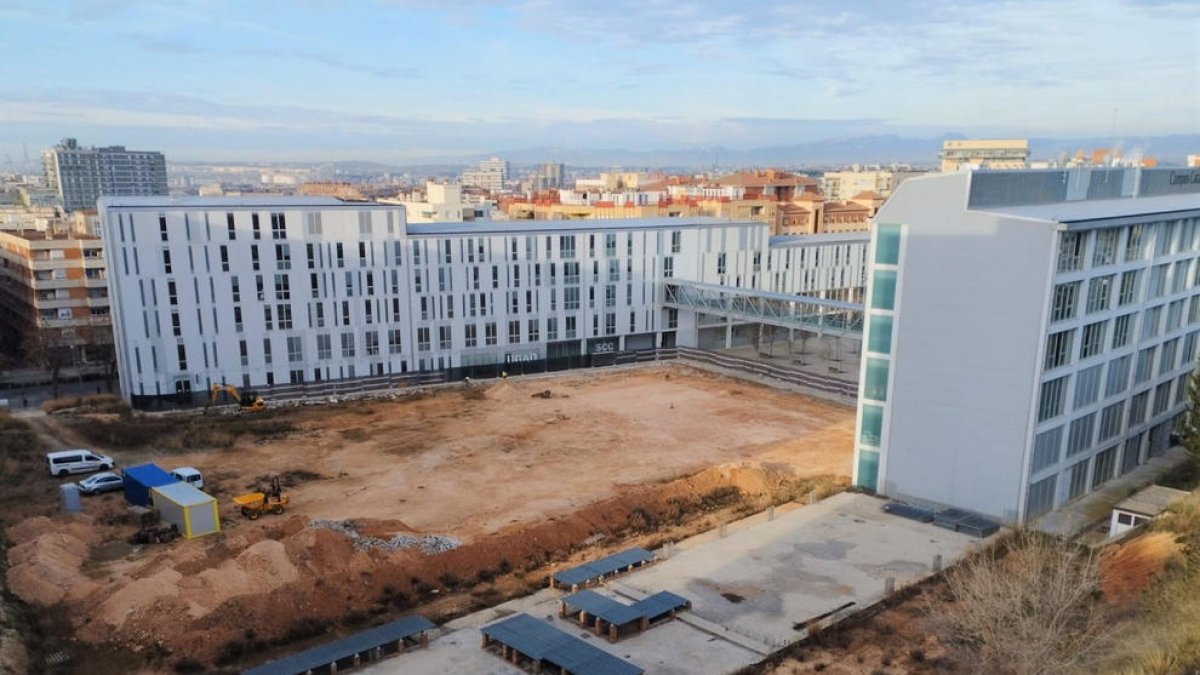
[189, 475]
[101, 482]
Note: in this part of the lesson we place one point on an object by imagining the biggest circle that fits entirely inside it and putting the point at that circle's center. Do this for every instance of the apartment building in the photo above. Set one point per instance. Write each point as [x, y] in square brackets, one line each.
[1028, 334]
[984, 154]
[840, 185]
[492, 175]
[263, 291]
[53, 292]
[81, 175]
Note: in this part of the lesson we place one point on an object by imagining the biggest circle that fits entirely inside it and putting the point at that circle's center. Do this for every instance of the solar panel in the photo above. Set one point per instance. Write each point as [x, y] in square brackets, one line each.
[909, 511]
[602, 606]
[660, 603]
[322, 655]
[597, 569]
[543, 642]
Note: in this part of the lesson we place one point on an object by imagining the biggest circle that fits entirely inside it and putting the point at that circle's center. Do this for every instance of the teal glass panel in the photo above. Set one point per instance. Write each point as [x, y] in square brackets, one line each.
[872, 425]
[883, 289]
[876, 381]
[868, 469]
[879, 334]
[887, 244]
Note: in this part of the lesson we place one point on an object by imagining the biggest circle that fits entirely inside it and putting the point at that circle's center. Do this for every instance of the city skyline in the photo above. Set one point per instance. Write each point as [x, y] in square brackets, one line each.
[401, 81]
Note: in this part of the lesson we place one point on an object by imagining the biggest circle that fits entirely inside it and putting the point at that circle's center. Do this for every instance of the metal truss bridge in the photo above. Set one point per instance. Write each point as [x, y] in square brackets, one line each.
[800, 312]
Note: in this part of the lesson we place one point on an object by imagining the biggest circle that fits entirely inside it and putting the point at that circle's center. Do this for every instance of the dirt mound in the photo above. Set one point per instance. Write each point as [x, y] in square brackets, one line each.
[502, 391]
[1127, 569]
[43, 570]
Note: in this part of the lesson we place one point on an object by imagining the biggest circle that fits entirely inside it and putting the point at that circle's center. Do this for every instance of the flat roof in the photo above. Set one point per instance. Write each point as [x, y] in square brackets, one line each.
[331, 652]
[786, 240]
[580, 225]
[244, 201]
[183, 494]
[1151, 501]
[1100, 209]
[541, 641]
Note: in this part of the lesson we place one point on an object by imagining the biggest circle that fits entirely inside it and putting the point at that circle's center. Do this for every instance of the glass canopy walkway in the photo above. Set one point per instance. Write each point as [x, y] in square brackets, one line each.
[800, 312]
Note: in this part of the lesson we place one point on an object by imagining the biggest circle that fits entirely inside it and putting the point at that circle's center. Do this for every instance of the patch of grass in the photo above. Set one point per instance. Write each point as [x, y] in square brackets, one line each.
[181, 432]
[719, 497]
[91, 403]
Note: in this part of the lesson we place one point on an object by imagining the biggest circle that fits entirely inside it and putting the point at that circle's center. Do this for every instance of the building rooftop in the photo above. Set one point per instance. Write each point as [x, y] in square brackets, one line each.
[819, 239]
[579, 225]
[1100, 209]
[244, 201]
[1150, 501]
[44, 235]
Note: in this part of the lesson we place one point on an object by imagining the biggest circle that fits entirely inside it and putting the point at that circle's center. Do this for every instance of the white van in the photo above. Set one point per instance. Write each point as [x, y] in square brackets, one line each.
[64, 462]
[189, 475]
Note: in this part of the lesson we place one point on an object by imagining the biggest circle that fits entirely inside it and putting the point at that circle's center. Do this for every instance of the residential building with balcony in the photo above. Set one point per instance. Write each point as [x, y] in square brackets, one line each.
[53, 291]
[1028, 334]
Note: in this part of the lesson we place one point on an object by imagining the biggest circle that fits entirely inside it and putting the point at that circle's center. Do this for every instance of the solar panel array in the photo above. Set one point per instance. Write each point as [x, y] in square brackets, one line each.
[359, 643]
[660, 603]
[542, 642]
[621, 614]
[598, 569]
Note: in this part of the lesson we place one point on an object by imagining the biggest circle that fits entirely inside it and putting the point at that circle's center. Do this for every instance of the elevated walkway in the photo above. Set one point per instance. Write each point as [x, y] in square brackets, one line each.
[800, 312]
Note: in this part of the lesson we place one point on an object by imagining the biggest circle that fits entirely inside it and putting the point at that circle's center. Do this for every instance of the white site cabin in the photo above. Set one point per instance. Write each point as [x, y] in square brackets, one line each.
[1142, 507]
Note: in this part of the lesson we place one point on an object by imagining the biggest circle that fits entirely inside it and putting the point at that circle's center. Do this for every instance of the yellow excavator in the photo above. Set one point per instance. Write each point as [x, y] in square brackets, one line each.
[248, 400]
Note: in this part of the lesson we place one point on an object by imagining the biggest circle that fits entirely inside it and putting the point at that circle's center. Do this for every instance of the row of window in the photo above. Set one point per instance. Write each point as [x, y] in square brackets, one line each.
[1167, 357]
[1094, 337]
[1113, 245]
[1066, 301]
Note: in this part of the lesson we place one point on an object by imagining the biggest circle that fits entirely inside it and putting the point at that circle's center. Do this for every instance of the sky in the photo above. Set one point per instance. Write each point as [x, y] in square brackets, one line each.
[400, 80]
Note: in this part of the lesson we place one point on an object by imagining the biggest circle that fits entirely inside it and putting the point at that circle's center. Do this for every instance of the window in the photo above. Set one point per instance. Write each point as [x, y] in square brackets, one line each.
[295, 349]
[254, 226]
[552, 328]
[876, 383]
[324, 347]
[668, 267]
[1130, 458]
[566, 247]
[879, 330]
[571, 298]
[872, 425]
[1166, 360]
[533, 328]
[284, 316]
[610, 245]
[1137, 408]
[237, 319]
[224, 258]
[610, 296]
[1099, 290]
[514, 332]
[1135, 246]
[283, 256]
[1058, 349]
[1145, 365]
[1162, 398]
[1087, 386]
[1077, 479]
[489, 333]
[166, 257]
[283, 288]
[1047, 446]
[1102, 470]
[1070, 251]
[571, 332]
[278, 226]
[1129, 288]
[887, 244]
[676, 241]
[1104, 252]
[720, 263]
[1110, 420]
[1174, 316]
[423, 341]
[444, 340]
[267, 350]
[1093, 339]
[1041, 497]
[471, 335]
[1118, 376]
[1079, 438]
[1066, 297]
[347, 345]
[883, 290]
[1122, 329]
[1150, 322]
[610, 323]
[395, 343]
[229, 225]
[1052, 397]
[1158, 281]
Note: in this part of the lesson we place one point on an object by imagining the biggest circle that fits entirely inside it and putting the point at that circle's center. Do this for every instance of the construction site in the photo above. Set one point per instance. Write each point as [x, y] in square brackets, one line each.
[440, 501]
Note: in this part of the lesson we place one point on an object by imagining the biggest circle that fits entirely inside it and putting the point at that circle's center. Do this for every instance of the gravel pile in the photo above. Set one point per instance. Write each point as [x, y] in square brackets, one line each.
[428, 544]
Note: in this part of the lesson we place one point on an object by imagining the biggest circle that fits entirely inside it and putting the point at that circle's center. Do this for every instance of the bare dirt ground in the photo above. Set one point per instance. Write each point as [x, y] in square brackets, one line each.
[518, 479]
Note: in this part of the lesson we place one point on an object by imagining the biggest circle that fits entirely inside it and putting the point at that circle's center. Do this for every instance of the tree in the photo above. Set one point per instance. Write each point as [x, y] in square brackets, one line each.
[49, 349]
[1188, 426]
[1027, 606]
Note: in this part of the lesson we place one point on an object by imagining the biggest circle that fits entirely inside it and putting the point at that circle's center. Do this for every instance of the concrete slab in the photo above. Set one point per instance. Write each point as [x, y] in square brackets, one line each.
[748, 589]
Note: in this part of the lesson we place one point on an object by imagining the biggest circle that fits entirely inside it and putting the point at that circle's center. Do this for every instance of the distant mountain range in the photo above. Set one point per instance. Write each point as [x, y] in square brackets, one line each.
[881, 149]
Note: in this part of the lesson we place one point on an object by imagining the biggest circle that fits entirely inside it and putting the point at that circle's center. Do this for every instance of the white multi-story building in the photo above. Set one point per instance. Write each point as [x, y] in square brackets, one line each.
[1028, 334]
[264, 291]
[80, 175]
[492, 175]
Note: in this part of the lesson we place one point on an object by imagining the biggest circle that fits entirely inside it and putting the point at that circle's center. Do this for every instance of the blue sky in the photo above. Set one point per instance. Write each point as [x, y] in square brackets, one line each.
[404, 80]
